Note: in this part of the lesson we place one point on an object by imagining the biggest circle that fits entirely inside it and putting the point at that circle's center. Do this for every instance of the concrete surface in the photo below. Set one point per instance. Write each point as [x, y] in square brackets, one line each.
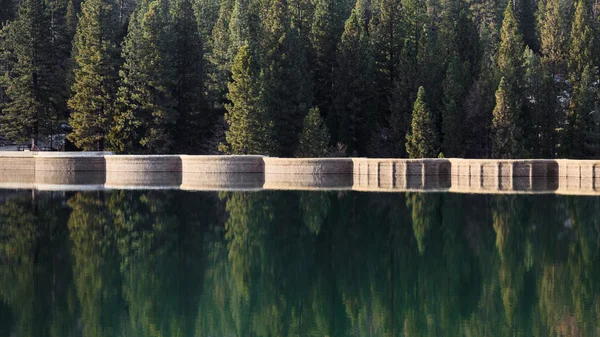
[67, 170]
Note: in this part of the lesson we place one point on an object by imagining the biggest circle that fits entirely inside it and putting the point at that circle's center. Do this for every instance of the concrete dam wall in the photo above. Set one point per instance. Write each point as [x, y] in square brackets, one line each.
[77, 170]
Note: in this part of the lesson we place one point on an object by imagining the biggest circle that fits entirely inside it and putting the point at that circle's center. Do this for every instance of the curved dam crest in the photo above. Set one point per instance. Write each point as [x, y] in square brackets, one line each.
[104, 170]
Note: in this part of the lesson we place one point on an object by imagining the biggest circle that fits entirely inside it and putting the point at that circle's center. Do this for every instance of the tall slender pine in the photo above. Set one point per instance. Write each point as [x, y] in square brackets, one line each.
[507, 120]
[553, 33]
[510, 51]
[194, 117]
[96, 74]
[325, 35]
[581, 44]
[219, 65]
[354, 83]
[387, 31]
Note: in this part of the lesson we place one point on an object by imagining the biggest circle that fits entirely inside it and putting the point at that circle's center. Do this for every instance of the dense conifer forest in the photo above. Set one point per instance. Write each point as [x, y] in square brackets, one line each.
[381, 78]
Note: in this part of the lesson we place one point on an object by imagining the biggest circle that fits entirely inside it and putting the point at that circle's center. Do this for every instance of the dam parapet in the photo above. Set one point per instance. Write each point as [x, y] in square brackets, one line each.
[104, 170]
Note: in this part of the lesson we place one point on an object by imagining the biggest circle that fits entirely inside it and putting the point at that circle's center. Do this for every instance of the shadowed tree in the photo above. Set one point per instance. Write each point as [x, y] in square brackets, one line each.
[452, 114]
[354, 88]
[314, 139]
[582, 138]
[539, 108]
[219, 58]
[194, 116]
[387, 34]
[458, 38]
[7, 11]
[326, 31]
[207, 14]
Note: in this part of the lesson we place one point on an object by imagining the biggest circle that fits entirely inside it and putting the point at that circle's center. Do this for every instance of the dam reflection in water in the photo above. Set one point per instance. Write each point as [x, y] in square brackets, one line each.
[304, 263]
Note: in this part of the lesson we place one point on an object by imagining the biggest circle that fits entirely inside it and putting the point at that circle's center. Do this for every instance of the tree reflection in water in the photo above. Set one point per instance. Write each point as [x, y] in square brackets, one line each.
[174, 263]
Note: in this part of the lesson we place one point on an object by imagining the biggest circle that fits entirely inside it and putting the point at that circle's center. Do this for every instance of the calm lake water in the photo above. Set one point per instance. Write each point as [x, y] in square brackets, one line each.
[243, 264]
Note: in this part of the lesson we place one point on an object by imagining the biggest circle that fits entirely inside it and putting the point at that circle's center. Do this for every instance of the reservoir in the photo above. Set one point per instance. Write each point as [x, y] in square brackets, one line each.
[297, 263]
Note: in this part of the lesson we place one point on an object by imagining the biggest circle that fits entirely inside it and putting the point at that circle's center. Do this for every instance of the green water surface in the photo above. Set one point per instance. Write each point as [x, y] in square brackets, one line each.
[243, 264]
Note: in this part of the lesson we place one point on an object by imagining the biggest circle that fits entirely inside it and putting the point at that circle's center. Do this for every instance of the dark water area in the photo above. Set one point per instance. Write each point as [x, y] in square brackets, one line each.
[280, 263]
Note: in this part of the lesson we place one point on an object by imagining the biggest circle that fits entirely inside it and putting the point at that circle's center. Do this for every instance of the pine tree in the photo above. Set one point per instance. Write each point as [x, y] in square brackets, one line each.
[314, 139]
[302, 13]
[397, 35]
[145, 116]
[250, 128]
[354, 83]
[582, 138]
[459, 36]
[452, 114]
[431, 66]
[506, 133]
[422, 140]
[540, 108]
[553, 30]
[59, 55]
[547, 116]
[404, 90]
[194, 118]
[510, 51]
[73, 11]
[28, 70]
[458, 40]
[581, 47]
[525, 13]
[387, 31]
[479, 100]
[207, 14]
[506, 130]
[71, 18]
[592, 135]
[239, 30]
[219, 66]
[325, 35]
[96, 75]
[588, 106]
[287, 89]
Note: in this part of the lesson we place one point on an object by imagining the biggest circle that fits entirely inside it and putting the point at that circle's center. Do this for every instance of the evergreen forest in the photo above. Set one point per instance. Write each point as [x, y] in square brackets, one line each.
[305, 78]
